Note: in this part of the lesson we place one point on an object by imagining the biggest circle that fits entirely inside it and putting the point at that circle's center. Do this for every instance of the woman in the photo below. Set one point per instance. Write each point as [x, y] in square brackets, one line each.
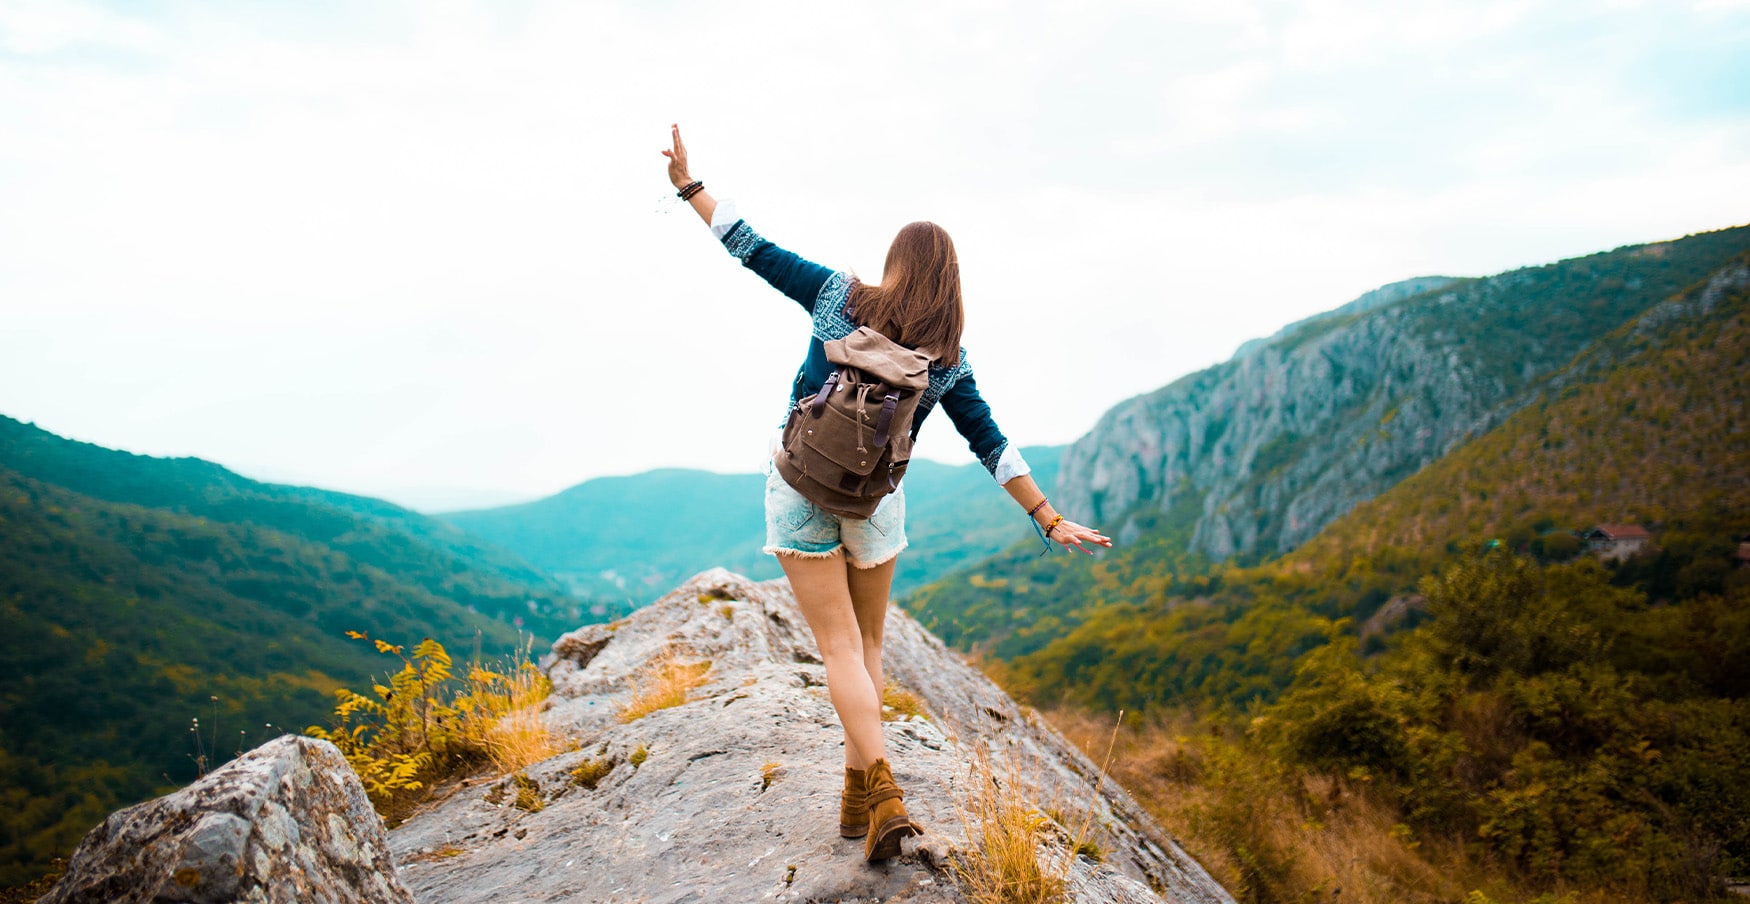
[841, 568]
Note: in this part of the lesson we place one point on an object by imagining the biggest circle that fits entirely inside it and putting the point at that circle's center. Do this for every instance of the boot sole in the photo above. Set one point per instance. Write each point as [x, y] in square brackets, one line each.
[856, 831]
[887, 839]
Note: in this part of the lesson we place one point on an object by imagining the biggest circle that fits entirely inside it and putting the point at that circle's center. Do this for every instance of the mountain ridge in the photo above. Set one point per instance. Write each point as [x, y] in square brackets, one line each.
[1279, 441]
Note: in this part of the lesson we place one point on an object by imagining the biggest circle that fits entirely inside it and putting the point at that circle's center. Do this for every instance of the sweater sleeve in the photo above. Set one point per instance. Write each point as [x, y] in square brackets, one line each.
[788, 272]
[971, 416]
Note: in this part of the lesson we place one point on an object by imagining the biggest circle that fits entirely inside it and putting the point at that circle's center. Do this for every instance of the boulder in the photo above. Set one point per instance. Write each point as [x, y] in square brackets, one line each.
[285, 822]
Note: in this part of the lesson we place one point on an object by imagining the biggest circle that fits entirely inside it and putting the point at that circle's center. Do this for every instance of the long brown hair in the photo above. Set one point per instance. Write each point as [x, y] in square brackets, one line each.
[918, 301]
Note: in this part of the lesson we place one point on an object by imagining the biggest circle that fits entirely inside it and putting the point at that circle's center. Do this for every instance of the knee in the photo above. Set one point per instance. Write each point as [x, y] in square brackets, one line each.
[848, 648]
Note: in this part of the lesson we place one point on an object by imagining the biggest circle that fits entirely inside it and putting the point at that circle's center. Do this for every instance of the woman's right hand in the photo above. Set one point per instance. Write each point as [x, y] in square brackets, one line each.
[1071, 534]
[677, 161]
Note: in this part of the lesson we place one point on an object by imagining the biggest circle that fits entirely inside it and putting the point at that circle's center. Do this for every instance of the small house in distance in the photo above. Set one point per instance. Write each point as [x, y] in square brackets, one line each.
[1617, 541]
[1742, 557]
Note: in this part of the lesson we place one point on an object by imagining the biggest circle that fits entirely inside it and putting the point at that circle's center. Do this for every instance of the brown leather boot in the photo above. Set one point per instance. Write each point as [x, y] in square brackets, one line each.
[853, 809]
[888, 823]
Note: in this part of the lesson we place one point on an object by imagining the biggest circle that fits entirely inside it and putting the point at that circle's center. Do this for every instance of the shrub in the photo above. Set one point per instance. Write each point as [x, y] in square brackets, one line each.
[420, 728]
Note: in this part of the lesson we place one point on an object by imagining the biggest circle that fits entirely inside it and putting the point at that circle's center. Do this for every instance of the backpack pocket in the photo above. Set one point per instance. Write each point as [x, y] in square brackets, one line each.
[843, 438]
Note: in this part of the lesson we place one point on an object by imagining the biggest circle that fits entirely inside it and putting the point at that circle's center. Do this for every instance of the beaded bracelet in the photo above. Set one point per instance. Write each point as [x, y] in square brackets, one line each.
[1035, 509]
[692, 188]
[1053, 525]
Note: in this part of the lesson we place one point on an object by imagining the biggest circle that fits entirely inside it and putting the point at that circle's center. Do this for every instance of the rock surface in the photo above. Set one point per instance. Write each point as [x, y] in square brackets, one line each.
[735, 795]
[286, 822]
[1257, 454]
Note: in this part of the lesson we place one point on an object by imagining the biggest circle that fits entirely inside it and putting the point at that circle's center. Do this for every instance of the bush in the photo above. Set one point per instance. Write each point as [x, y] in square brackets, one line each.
[420, 727]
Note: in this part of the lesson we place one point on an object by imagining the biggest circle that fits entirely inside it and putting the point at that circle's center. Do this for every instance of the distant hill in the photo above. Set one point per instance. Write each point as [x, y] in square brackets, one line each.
[1253, 457]
[1644, 428]
[1448, 661]
[631, 538]
[1294, 431]
[134, 590]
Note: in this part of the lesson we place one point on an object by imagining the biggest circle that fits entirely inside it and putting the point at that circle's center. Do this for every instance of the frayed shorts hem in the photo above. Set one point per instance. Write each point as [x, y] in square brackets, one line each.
[829, 553]
[802, 553]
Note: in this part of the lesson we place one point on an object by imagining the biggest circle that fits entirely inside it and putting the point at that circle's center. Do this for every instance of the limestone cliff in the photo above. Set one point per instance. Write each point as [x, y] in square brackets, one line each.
[1265, 449]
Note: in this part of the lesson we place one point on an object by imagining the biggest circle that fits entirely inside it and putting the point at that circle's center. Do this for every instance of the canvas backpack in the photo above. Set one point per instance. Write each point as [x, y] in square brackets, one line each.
[847, 445]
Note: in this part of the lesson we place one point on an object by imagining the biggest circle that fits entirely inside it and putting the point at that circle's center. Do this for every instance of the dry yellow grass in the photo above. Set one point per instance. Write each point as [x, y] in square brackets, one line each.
[1270, 836]
[505, 718]
[665, 681]
[1001, 865]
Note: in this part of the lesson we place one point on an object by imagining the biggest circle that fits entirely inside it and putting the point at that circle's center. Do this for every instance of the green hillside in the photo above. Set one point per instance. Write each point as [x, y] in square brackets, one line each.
[632, 539]
[418, 549]
[1640, 430]
[1514, 337]
[134, 591]
[1442, 697]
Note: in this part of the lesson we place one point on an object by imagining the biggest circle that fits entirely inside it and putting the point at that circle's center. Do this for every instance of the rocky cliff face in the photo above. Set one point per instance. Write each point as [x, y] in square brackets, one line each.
[735, 797]
[1295, 430]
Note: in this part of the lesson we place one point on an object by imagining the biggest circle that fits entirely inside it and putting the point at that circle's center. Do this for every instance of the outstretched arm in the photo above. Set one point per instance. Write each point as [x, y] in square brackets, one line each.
[1069, 533]
[971, 416]
[786, 271]
[703, 204]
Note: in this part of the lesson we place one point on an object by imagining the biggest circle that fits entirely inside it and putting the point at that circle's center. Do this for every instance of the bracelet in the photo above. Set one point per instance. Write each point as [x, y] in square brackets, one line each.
[1035, 509]
[1054, 523]
[690, 189]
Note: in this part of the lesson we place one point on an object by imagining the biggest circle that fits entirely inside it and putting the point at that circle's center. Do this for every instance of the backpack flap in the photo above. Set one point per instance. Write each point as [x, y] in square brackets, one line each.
[881, 358]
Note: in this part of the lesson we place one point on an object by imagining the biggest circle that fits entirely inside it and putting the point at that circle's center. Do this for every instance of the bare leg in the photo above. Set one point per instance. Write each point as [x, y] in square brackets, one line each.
[868, 600]
[823, 592]
[869, 592]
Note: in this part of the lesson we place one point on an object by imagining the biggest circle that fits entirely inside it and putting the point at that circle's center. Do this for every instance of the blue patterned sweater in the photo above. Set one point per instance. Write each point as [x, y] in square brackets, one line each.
[823, 292]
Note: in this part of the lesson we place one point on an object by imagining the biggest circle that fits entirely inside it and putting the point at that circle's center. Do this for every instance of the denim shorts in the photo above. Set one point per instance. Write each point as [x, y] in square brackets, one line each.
[795, 526]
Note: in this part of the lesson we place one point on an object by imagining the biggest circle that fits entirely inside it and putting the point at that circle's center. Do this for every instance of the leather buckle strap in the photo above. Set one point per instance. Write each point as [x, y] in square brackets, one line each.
[825, 393]
[885, 421]
[888, 793]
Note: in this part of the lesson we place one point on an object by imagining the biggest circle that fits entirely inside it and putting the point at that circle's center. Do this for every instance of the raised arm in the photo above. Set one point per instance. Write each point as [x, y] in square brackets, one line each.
[786, 271]
[703, 204]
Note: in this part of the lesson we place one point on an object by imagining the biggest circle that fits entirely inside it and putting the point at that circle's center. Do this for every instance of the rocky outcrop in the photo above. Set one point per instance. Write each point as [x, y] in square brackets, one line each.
[1260, 452]
[733, 795]
[286, 822]
[1279, 441]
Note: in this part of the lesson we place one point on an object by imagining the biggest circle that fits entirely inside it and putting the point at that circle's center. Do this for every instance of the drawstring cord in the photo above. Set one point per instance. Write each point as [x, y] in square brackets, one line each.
[862, 414]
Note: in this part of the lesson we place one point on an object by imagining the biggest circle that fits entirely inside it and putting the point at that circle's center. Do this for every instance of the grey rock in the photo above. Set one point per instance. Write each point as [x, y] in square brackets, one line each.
[285, 822]
[1264, 450]
[738, 798]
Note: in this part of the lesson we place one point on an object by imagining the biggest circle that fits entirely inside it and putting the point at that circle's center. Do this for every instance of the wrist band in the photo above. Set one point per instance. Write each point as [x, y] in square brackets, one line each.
[690, 189]
[1053, 525]
[1035, 509]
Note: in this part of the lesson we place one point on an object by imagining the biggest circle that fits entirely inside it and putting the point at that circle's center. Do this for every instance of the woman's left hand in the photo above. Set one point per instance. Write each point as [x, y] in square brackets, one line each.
[1071, 534]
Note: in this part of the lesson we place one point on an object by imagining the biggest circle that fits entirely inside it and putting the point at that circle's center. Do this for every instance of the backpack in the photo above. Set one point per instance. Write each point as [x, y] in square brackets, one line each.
[847, 445]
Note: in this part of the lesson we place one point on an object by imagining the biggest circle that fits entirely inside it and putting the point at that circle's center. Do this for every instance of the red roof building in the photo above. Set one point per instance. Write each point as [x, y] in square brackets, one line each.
[1617, 541]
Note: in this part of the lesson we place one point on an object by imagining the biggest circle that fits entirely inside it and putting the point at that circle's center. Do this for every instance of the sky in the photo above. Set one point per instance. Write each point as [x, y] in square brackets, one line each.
[427, 251]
